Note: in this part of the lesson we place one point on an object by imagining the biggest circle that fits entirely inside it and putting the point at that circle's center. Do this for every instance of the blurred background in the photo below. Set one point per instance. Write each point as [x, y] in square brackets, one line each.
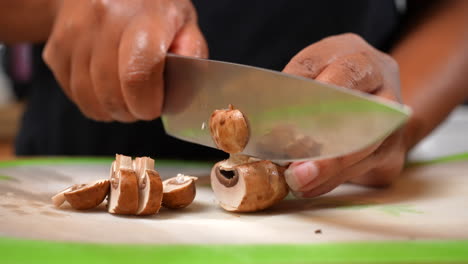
[13, 80]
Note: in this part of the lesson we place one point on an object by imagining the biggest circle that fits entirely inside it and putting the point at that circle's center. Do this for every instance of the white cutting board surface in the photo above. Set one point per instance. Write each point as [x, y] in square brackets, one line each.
[428, 202]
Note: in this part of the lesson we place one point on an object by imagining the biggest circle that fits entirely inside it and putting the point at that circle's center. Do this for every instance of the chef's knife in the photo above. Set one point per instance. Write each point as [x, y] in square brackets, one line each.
[290, 118]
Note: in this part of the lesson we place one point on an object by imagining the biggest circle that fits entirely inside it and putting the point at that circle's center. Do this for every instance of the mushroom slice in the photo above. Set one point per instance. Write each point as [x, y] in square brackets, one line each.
[59, 198]
[123, 197]
[179, 191]
[87, 196]
[229, 129]
[150, 186]
[248, 187]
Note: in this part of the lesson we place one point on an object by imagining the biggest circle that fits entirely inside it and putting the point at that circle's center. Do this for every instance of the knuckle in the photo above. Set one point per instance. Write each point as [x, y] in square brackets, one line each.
[348, 37]
[135, 78]
[351, 66]
[352, 36]
[390, 62]
[112, 104]
[141, 69]
[305, 66]
[46, 54]
[52, 53]
[100, 7]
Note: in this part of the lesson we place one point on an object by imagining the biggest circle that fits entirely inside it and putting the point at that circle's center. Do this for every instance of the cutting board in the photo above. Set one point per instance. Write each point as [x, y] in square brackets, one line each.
[428, 202]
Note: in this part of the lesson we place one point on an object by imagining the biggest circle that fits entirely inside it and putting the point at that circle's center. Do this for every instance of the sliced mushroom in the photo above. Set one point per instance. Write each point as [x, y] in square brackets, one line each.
[179, 191]
[244, 185]
[59, 198]
[150, 186]
[123, 197]
[89, 195]
[83, 196]
[229, 130]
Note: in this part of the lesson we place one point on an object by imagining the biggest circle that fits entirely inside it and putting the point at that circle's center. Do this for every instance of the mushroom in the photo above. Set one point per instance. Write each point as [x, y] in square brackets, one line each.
[229, 129]
[150, 186]
[83, 196]
[59, 198]
[179, 191]
[243, 184]
[123, 197]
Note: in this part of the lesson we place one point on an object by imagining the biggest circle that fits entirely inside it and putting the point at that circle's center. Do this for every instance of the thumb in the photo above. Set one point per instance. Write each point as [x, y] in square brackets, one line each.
[189, 41]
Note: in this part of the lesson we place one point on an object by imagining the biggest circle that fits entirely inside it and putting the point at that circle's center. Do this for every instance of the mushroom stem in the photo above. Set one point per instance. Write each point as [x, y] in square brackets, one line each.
[150, 186]
[123, 197]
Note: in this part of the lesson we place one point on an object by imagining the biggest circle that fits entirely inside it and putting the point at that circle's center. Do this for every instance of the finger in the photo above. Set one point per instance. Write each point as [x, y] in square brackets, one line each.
[378, 169]
[354, 71]
[104, 72]
[362, 167]
[189, 41]
[312, 60]
[58, 60]
[141, 63]
[81, 85]
[305, 176]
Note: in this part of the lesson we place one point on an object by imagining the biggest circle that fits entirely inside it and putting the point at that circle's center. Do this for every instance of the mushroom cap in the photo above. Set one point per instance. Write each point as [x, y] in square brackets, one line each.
[229, 130]
[259, 185]
[87, 196]
[179, 191]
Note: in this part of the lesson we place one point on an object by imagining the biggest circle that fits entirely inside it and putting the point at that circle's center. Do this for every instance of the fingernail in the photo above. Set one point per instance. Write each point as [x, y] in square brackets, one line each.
[300, 175]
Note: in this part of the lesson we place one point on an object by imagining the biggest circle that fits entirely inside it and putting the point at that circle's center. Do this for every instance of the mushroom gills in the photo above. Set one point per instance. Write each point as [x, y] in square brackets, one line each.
[227, 176]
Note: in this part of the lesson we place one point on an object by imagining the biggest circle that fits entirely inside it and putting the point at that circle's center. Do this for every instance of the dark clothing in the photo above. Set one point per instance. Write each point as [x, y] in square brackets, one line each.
[259, 33]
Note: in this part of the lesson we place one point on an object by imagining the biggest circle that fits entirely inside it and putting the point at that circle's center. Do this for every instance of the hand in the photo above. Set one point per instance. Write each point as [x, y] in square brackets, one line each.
[108, 56]
[349, 61]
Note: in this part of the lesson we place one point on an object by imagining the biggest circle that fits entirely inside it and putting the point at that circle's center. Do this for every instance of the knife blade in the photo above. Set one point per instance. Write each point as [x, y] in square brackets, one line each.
[290, 118]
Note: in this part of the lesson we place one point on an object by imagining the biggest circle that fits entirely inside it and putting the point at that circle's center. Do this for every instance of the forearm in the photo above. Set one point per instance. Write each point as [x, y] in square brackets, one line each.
[433, 61]
[26, 20]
